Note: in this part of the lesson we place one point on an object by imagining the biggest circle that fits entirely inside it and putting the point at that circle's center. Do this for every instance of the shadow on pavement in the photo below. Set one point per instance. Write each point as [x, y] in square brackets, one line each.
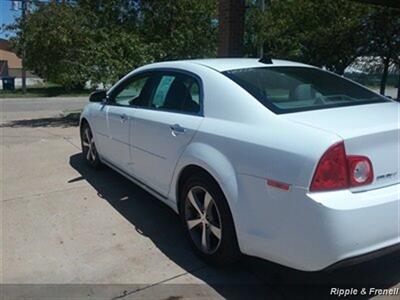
[158, 222]
[68, 120]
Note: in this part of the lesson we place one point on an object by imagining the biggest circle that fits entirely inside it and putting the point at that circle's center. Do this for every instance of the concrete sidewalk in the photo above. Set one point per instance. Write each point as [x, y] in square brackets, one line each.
[99, 236]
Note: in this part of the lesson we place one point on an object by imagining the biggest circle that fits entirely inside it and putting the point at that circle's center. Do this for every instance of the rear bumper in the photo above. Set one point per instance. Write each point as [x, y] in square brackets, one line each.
[360, 225]
[317, 231]
[363, 258]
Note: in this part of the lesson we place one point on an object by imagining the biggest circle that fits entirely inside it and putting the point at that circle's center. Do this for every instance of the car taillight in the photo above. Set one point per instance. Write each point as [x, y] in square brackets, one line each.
[360, 170]
[336, 170]
[331, 172]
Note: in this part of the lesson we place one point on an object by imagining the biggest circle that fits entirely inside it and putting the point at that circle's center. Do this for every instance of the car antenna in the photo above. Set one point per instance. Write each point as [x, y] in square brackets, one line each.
[265, 60]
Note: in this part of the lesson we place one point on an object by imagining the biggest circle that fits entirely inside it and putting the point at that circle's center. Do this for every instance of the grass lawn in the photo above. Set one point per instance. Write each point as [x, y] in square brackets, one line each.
[43, 90]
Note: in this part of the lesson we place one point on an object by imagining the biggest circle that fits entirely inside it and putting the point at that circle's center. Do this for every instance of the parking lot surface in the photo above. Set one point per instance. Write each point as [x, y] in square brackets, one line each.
[70, 232]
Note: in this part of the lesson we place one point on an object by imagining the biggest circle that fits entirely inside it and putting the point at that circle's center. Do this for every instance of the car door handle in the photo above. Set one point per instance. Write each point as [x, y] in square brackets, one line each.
[176, 128]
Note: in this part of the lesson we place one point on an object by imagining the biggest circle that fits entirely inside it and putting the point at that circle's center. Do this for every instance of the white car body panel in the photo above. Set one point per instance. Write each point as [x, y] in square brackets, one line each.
[242, 144]
[369, 129]
[117, 149]
[156, 151]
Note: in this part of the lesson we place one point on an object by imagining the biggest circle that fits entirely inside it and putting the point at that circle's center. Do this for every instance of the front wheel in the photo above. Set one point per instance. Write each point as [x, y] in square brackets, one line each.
[208, 221]
[89, 150]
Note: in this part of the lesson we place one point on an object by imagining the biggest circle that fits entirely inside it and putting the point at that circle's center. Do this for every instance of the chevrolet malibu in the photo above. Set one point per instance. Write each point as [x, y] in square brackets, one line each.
[268, 158]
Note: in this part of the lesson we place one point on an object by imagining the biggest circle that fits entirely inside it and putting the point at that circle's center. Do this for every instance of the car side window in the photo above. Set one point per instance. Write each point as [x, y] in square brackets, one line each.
[160, 94]
[133, 93]
[194, 91]
[177, 92]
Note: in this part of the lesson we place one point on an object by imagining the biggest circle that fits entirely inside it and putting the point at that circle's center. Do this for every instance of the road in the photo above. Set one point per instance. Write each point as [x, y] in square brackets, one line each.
[37, 105]
[70, 232]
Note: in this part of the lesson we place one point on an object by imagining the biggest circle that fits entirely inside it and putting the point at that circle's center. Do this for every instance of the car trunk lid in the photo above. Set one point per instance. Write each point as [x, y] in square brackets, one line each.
[371, 130]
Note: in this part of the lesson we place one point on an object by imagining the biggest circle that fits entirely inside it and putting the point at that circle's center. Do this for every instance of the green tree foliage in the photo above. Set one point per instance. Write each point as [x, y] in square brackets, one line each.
[101, 41]
[56, 40]
[381, 29]
[71, 42]
[179, 29]
[116, 46]
[320, 32]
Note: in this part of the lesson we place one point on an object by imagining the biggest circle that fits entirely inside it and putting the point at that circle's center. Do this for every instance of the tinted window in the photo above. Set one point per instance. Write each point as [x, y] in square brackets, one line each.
[177, 92]
[132, 92]
[194, 90]
[290, 89]
[161, 91]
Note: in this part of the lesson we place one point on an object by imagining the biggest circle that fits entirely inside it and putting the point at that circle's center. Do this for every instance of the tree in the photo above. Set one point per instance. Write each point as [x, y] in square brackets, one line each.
[72, 42]
[56, 39]
[116, 46]
[381, 28]
[179, 29]
[319, 32]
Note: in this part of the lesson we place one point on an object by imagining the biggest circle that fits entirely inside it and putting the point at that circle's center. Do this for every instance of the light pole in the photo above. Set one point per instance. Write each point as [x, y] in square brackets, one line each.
[24, 6]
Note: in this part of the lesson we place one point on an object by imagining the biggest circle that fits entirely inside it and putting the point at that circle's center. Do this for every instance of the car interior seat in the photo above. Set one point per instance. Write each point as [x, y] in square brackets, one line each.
[179, 98]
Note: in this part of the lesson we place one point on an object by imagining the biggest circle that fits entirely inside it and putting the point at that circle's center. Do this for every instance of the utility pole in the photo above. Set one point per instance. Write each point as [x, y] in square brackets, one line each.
[24, 8]
[231, 28]
[261, 49]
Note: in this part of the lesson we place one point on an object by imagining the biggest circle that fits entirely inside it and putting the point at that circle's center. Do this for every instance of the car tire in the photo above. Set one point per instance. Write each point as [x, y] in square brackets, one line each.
[89, 150]
[209, 226]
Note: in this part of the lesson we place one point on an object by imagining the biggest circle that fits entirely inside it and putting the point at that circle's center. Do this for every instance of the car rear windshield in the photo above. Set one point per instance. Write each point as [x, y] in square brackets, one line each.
[293, 89]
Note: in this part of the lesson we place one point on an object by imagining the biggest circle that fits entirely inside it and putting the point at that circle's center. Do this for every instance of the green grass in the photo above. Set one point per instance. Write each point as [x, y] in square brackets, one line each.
[43, 90]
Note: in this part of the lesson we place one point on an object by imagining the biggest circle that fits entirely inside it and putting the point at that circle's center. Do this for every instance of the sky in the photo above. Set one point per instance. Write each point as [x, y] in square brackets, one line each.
[7, 15]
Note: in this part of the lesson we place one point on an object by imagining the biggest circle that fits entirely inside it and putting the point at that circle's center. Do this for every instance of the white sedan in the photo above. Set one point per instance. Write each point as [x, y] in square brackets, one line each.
[269, 158]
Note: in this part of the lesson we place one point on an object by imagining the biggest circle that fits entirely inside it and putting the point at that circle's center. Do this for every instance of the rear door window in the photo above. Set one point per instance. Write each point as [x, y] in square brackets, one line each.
[176, 92]
[161, 91]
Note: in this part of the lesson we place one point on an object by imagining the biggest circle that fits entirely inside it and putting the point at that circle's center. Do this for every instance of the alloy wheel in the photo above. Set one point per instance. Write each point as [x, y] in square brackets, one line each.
[203, 220]
[89, 148]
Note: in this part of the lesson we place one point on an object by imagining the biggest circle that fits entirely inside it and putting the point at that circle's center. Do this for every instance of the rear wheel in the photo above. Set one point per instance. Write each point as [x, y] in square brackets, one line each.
[89, 150]
[208, 221]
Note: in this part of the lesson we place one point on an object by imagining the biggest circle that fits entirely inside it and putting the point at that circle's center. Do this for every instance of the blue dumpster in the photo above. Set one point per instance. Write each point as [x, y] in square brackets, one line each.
[8, 83]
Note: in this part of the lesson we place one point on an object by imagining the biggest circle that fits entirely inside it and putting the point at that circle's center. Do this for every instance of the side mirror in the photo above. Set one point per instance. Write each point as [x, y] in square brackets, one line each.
[98, 96]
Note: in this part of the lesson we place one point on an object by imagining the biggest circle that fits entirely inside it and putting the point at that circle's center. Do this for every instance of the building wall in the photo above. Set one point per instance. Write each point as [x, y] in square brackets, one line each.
[14, 62]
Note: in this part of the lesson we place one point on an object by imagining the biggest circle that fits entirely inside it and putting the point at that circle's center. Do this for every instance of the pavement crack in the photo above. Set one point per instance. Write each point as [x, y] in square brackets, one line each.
[128, 293]
[106, 183]
[41, 194]
[60, 136]
[70, 142]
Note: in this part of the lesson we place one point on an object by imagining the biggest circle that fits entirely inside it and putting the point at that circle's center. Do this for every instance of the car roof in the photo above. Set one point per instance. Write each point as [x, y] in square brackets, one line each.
[225, 64]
